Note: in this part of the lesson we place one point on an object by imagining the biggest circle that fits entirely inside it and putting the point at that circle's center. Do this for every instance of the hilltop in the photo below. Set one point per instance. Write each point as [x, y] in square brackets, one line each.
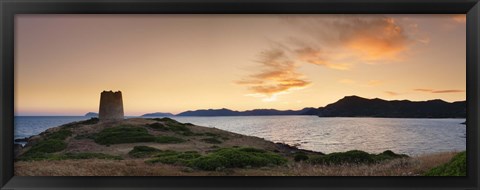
[351, 106]
[355, 106]
[163, 146]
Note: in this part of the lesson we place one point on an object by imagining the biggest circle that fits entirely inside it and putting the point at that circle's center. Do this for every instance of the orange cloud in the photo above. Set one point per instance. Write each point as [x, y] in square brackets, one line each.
[366, 39]
[438, 91]
[379, 39]
[277, 76]
[315, 56]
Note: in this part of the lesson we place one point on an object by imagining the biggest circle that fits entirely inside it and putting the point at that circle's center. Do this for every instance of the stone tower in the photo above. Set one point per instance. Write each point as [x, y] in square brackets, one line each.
[111, 106]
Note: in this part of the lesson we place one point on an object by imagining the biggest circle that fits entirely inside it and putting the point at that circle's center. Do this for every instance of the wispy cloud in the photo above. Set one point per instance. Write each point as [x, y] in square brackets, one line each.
[277, 75]
[368, 39]
[317, 57]
[438, 91]
[337, 42]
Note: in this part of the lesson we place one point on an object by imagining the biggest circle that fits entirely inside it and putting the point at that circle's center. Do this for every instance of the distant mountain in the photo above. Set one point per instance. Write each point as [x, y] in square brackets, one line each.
[157, 114]
[255, 112]
[354, 106]
[91, 114]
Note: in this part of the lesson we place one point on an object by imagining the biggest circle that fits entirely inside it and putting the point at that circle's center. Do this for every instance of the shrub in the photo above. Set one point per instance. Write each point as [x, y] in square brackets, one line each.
[457, 166]
[237, 158]
[168, 139]
[354, 157]
[90, 121]
[123, 134]
[172, 157]
[300, 156]
[212, 140]
[142, 151]
[48, 146]
[85, 136]
[61, 134]
[41, 150]
[389, 155]
[157, 126]
[173, 125]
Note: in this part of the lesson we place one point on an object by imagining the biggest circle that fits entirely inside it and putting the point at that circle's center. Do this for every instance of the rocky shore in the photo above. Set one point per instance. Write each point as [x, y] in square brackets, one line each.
[165, 147]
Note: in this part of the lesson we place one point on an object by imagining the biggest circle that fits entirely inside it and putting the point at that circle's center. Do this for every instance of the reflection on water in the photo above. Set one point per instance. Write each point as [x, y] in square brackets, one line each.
[408, 136]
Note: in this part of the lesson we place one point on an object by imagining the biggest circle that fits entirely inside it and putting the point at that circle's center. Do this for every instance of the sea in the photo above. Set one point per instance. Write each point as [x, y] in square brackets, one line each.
[323, 134]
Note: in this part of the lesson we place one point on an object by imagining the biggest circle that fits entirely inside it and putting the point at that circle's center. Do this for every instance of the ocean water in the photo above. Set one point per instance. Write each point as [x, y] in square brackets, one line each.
[374, 135]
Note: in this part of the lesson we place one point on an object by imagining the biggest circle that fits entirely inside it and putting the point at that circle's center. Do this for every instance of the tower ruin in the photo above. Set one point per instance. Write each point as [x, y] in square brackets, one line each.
[111, 106]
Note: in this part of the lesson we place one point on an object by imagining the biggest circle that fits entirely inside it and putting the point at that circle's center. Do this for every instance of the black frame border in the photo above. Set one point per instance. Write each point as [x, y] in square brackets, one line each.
[8, 9]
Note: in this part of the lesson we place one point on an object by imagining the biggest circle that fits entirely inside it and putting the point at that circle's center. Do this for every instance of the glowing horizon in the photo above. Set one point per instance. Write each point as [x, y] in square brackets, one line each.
[176, 63]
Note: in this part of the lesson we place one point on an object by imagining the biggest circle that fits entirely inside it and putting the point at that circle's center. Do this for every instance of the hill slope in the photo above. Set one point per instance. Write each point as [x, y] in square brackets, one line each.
[354, 106]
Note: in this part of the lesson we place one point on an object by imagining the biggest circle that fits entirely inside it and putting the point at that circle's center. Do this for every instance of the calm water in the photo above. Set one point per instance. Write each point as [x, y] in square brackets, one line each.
[408, 136]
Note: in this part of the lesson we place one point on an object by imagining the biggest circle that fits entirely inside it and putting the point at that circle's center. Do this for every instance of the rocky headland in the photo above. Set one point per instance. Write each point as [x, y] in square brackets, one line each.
[165, 147]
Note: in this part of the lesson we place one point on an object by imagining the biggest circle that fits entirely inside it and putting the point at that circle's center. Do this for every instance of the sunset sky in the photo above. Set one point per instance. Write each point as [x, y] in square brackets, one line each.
[175, 63]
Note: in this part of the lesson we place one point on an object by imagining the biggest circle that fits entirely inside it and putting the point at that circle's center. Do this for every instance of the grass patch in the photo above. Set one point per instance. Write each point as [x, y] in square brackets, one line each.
[90, 121]
[143, 151]
[219, 159]
[41, 150]
[123, 134]
[172, 157]
[61, 134]
[237, 158]
[355, 157]
[212, 140]
[69, 156]
[157, 126]
[457, 166]
[130, 134]
[174, 126]
[48, 146]
[168, 139]
[85, 136]
[300, 156]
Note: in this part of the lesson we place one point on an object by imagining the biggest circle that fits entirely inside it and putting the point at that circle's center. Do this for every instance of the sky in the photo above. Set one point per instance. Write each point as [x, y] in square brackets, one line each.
[175, 63]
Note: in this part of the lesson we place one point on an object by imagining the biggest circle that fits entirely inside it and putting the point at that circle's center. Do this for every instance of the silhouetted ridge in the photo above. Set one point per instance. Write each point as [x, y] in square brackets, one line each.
[354, 106]
[255, 112]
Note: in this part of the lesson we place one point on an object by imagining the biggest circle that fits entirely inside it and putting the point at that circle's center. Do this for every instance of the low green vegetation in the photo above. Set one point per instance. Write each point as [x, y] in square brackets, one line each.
[172, 157]
[219, 159]
[61, 134]
[69, 156]
[158, 126]
[212, 140]
[47, 146]
[143, 151]
[85, 136]
[173, 125]
[42, 150]
[123, 134]
[168, 139]
[300, 156]
[237, 158]
[457, 166]
[90, 121]
[354, 157]
[129, 134]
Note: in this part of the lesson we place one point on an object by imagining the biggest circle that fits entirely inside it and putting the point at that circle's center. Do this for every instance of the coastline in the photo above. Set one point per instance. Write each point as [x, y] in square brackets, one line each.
[93, 156]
